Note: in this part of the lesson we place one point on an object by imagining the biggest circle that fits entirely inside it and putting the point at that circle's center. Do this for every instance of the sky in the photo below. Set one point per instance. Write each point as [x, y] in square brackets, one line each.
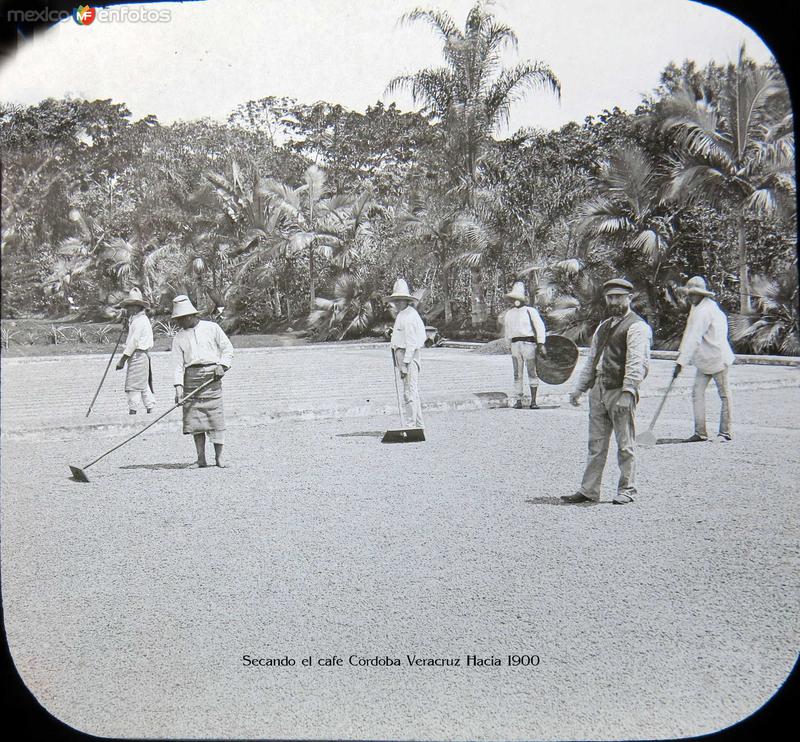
[209, 56]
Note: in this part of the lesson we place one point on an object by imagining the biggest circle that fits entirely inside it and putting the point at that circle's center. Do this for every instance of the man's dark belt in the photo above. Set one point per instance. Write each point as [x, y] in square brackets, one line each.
[202, 365]
[524, 339]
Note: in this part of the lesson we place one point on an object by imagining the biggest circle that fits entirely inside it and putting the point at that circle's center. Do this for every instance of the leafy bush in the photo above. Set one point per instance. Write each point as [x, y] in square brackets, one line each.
[356, 307]
[165, 328]
[57, 335]
[6, 336]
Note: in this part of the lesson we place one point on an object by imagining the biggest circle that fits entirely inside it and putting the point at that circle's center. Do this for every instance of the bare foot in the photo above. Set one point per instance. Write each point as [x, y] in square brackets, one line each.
[197, 465]
[222, 466]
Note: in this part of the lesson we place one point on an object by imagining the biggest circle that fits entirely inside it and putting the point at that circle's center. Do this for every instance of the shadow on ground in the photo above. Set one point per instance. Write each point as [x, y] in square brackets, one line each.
[559, 501]
[154, 467]
[365, 433]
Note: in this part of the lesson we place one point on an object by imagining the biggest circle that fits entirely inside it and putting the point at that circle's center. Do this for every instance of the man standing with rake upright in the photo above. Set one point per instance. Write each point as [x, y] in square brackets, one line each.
[408, 337]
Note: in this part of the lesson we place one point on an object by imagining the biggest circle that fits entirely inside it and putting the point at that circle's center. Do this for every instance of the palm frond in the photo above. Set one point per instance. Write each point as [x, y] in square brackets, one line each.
[314, 179]
[439, 21]
[512, 84]
[650, 244]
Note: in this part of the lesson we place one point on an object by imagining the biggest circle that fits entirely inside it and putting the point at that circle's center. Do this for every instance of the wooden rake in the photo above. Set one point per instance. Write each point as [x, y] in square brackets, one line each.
[79, 474]
[648, 438]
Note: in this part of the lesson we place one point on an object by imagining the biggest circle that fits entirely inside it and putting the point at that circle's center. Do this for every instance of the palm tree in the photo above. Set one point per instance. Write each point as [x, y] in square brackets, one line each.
[147, 265]
[630, 217]
[315, 222]
[71, 262]
[573, 298]
[356, 306]
[237, 230]
[471, 95]
[774, 326]
[733, 152]
[352, 218]
[440, 234]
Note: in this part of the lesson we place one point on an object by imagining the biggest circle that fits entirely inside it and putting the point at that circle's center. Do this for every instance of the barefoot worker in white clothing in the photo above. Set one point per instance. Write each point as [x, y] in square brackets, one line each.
[201, 351]
[136, 354]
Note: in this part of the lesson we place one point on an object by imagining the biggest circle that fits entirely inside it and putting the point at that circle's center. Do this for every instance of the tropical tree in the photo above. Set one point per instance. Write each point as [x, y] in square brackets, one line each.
[571, 292]
[471, 96]
[351, 218]
[773, 326]
[235, 234]
[734, 151]
[629, 217]
[315, 222]
[151, 267]
[439, 235]
[69, 265]
[356, 305]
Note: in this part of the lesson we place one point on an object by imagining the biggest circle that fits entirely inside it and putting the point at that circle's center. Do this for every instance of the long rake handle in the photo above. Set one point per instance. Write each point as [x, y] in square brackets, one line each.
[150, 425]
[108, 366]
[397, 389]
[661, 404]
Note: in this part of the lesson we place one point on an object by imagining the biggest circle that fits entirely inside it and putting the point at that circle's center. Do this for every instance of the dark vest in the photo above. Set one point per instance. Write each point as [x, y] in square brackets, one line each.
[612, 344]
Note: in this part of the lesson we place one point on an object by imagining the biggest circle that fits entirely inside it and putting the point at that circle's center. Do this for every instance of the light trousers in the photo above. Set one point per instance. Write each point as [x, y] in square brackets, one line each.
[699, 401]
[523, 355]
[411, 405]
[146, 396]
[605, 416]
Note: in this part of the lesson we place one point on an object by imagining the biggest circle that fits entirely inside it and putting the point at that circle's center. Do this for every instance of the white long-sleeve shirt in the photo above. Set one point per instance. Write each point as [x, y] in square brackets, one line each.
[409, 333]
[637, 358]
[140, 334]
[205, 343]
[705, 339]
[524, 322]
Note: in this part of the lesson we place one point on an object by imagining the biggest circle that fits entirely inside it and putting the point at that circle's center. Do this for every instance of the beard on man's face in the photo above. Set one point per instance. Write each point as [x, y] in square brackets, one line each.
[616, 310]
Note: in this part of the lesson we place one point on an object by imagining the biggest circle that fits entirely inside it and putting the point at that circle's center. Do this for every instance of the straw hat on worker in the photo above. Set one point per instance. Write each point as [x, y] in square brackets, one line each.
[401, 291]
[182, 307]
[517, 293]
[696, 286]
[134, 299]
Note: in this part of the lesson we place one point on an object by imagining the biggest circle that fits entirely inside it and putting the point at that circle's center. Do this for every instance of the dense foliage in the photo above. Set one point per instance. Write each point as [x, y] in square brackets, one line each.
[291, 214]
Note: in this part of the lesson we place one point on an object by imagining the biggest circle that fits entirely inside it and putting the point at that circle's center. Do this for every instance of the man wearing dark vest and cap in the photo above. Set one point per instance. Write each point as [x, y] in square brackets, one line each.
[618, 361]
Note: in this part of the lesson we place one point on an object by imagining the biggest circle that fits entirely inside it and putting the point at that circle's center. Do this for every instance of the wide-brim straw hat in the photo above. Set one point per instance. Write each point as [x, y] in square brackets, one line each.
[401, 291]
[517, 292]
[697, 285]
[134, 299]
[617, 286]
[182, 307]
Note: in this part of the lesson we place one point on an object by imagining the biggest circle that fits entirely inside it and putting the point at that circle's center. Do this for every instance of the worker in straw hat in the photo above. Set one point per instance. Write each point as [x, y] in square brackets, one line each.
[201, 352]
[408, 337]
[618, 361]
[705, 346]
[524, 328]
[136, 353]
